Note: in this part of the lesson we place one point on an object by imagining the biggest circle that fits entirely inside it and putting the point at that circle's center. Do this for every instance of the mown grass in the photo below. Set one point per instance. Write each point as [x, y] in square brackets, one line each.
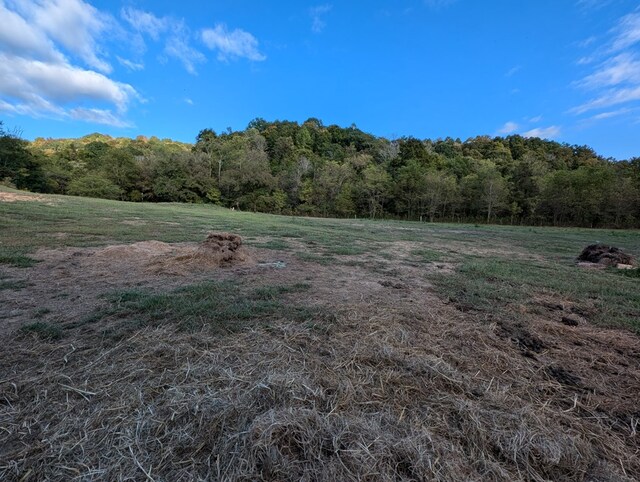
[498, 286]
[221, 307]
[497, 266]
[13, 284]
[43, 330]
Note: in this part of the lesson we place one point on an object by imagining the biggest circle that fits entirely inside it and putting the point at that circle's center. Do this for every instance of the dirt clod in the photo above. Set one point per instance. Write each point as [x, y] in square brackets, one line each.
[605, 255]
[563, 376]
[571, 320]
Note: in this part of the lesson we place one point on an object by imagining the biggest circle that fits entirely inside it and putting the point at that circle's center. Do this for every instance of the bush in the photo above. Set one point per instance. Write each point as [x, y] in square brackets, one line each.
[93, 185]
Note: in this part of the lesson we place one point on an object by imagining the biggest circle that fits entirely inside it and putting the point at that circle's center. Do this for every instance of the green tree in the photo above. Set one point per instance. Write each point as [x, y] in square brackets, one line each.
[94, 185]
[375, 187]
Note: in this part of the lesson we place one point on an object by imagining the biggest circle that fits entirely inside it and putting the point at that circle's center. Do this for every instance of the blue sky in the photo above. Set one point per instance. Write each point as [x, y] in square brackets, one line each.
[567, 70]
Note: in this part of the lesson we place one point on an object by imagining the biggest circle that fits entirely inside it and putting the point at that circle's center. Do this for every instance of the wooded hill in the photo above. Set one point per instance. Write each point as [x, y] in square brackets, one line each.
[311, 169]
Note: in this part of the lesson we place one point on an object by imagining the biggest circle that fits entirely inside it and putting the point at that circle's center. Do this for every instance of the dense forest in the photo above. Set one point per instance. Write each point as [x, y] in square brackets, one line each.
[312, 169]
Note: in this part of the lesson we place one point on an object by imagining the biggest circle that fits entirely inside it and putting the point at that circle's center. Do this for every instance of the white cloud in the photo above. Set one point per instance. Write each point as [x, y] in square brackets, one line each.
[592, 4]
[38, 79]
[98, 116]
[610, 114]
[439, 3]
[27, 79]
[317, 21]
[178, 47]
[535, 120]
[543, 132]
[623, 68]
[129, 64]
[187, 100]
[74, 24]
[145, 22]
[175, 34]
[614, 78]
[232, 44]
[586, 42]
[610, 98]
[513, 70]
[627, 32]
[508, 128]
[19, 37]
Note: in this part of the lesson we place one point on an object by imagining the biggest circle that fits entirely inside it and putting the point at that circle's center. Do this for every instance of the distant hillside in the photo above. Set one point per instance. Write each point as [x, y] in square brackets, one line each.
[312, 169]
[50, 146]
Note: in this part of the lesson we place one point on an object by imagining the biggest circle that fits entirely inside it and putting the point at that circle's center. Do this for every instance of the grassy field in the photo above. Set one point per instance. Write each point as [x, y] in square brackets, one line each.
[343, 349]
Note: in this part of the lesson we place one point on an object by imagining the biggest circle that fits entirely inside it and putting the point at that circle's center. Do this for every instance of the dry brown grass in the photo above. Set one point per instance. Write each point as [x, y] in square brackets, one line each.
[381, 395]
[401, 386]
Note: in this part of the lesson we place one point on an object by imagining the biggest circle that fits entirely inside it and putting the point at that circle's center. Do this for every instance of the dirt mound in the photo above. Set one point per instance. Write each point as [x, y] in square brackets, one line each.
[605, 255]
[218, 249]
[225, 247]
[156, 257]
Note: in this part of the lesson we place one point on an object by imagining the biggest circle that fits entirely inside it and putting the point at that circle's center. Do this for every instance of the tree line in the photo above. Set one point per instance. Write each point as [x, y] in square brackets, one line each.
[316, 170]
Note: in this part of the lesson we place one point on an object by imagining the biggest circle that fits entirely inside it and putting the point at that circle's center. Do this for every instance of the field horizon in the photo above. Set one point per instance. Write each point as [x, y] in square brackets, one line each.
[321, 349]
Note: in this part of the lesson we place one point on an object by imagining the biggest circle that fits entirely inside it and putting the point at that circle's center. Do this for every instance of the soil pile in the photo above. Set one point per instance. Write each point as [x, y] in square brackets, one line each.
[181, 259]
[222, 248]
[218, 249]
[607, 256]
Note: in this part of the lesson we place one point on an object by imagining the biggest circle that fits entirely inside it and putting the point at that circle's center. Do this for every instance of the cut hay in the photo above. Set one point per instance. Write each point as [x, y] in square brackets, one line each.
[400, 386]
[375, 398]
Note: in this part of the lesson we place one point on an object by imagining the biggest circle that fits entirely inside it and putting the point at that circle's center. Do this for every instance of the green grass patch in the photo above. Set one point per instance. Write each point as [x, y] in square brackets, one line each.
[427, 255]
[223, 307]
[42, 330]
[275, 244]
[628, 273]
[13, 284]
[41, 312]
[274, 292]
[492, 282]
[496, 285]
[17, 260]
[345, 250]
[316, 258]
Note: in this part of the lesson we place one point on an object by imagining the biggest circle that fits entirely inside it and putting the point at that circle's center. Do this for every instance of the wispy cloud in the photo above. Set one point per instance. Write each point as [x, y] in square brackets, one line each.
[232, 44]
[610, 114]
[98, 116]
[513, 70]
[317, 14]
[592, 4]
[550, 132]
[436, 4]
[187, 100]
[623, 68]
[535, 119]
[627, 32]
[614, 78]
[586, 42]
[508, 128]
[610, 98]
[178, 46]
[145, 22]
[130, 64]
[174, 32]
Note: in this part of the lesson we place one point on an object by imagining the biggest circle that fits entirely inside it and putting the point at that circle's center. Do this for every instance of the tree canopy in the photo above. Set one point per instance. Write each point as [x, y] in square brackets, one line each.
[313, 169]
